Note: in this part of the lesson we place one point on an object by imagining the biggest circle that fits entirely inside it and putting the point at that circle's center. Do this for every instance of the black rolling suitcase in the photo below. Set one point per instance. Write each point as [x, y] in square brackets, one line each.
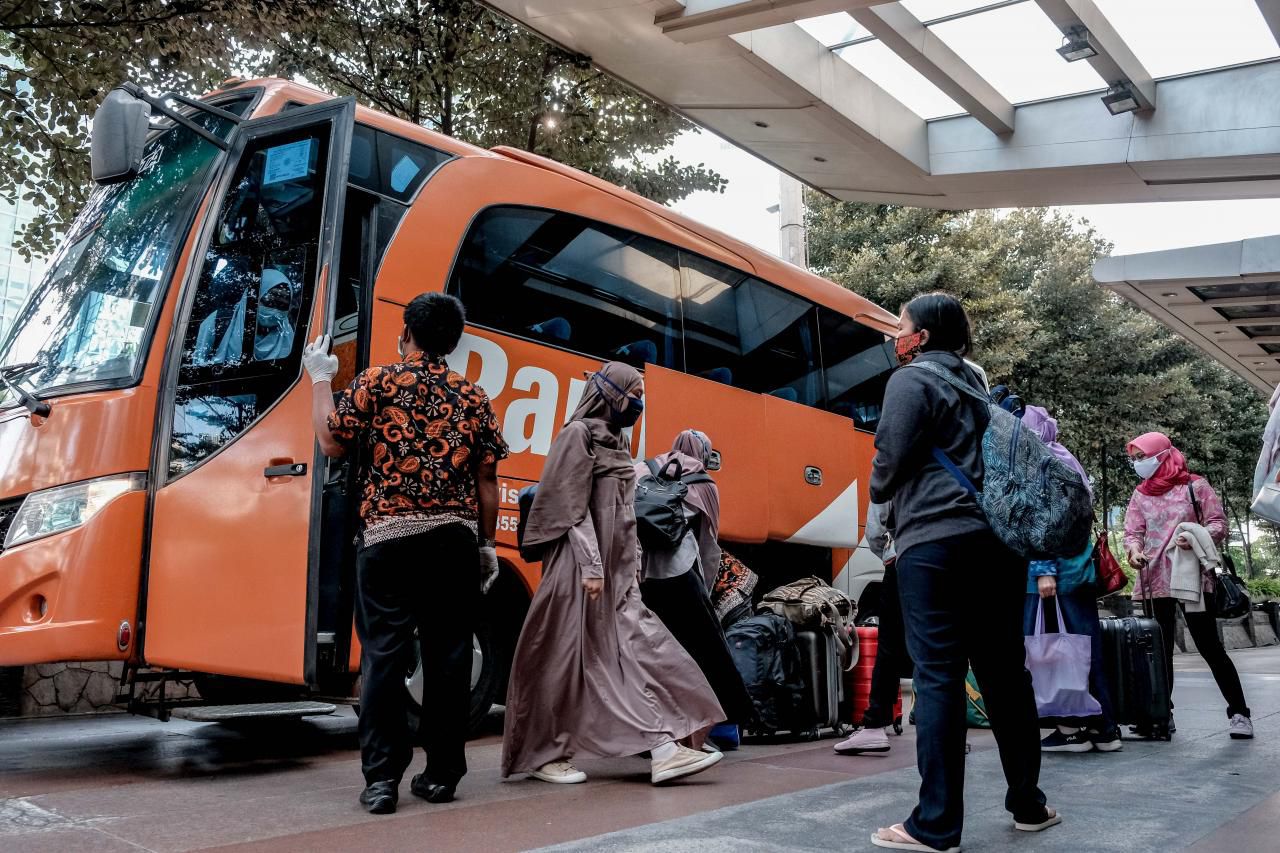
[823, 684]
[1137, 674]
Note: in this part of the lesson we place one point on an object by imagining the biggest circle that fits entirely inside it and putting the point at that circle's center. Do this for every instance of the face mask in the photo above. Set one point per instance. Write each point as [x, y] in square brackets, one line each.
[400, 346]
[1145, 468]
[908, 347]
[629, 413]
[272, 318]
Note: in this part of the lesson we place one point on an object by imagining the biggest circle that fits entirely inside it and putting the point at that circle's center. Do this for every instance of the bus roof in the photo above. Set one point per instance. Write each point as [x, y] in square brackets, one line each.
[769, 267]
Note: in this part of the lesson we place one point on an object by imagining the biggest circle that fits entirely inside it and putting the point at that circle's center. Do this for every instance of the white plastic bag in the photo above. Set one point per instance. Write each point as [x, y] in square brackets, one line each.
[1059, 665]
[1266, 504]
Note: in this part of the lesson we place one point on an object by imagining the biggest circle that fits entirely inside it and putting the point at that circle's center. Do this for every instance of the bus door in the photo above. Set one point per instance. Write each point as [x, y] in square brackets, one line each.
[230, 582]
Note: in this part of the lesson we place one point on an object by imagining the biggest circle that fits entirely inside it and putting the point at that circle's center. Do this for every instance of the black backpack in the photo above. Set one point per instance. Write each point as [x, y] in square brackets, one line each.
[660, 520]
[764, 651]
[524, 502]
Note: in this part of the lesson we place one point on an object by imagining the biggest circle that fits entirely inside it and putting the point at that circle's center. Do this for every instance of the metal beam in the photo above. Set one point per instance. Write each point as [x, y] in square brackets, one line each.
[701, 20]
[1270, 10]
[916, 44]
[1227, 302]
[1115, 61]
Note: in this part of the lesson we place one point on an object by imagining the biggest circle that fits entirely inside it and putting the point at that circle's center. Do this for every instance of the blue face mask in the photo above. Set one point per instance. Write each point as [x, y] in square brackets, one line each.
[630, 413]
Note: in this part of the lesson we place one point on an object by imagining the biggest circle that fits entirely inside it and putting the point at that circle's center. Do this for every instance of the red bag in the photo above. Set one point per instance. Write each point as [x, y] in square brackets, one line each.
[1111, 578]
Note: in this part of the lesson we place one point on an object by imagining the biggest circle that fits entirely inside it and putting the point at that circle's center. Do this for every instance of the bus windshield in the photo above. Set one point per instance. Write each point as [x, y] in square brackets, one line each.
[87, 320]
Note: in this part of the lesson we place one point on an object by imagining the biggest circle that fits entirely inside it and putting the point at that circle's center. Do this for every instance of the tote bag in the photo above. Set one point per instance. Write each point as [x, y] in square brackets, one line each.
[1059, 667]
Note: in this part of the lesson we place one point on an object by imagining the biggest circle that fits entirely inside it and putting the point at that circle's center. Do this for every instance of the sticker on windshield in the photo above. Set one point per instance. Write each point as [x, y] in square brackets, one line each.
[287, 162]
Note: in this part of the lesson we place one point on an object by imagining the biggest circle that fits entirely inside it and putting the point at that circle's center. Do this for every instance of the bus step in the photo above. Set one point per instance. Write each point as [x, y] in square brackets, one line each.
[254, 711]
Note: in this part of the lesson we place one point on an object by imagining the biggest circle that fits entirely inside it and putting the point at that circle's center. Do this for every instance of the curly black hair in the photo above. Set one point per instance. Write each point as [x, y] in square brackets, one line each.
[435, 322]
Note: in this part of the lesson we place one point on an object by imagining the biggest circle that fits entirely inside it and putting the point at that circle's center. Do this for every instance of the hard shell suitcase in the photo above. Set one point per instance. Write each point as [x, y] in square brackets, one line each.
[823, 682]
[868, 646]
[1137, 674]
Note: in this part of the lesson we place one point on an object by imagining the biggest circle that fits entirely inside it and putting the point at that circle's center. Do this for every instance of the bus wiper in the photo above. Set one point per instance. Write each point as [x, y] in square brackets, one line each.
[34, 404]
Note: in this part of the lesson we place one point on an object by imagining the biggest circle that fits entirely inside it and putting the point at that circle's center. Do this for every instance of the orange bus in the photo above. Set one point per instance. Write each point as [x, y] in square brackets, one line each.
[162, 498]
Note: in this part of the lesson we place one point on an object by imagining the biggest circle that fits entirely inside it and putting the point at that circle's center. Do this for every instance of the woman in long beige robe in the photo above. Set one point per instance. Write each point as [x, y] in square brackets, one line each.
[596, 675]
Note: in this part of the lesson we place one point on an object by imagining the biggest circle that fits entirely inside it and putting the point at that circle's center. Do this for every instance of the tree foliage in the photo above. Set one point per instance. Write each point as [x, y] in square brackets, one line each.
[451, 65]
[1105, 370]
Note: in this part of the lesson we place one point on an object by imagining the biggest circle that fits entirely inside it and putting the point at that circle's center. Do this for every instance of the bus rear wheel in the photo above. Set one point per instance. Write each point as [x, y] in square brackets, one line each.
[488, 679]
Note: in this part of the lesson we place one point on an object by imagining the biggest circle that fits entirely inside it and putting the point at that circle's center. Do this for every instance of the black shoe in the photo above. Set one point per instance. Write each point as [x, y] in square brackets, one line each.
[1107, 740]
[380, 797]
[431, 792]
[1077, 741]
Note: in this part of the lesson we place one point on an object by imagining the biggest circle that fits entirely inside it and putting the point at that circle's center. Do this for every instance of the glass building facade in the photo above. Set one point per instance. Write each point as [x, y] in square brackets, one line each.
[17, 276]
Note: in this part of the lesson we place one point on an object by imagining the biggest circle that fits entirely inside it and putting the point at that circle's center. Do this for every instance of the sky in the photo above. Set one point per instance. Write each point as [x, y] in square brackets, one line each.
[1155, 29]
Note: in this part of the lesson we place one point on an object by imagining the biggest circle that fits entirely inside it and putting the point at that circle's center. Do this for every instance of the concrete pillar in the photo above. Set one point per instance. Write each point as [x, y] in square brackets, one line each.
[791, 233]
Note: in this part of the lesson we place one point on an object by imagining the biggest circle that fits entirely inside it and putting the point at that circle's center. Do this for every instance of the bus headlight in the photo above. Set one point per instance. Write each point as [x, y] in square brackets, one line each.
[67, 507]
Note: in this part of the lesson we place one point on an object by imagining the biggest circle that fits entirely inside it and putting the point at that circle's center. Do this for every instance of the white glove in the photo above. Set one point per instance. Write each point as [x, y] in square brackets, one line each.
[319, 363]
[488, 567]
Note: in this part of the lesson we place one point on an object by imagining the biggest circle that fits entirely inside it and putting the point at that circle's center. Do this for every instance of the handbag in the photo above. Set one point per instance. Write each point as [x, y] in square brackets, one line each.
[1111, 578]
[1266, 504]
[1230, 595]
[1059, 665]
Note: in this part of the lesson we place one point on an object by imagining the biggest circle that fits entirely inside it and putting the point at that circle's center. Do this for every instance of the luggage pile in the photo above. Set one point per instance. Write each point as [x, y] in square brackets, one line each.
[792, 655]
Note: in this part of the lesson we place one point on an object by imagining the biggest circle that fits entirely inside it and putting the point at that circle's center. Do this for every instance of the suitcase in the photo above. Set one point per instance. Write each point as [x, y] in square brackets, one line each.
[860, 686]
[823, 680]
[1137, 674]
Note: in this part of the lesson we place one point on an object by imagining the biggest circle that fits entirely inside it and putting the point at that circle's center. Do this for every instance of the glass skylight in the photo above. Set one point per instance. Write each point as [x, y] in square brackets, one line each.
[892, 73]
[1177, 36]
[1014, 48]
[928, 10]
[833, 29]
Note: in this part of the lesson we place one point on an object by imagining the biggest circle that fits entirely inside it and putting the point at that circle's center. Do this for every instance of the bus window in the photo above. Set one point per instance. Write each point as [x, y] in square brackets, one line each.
[390, 165]
[569, 282]
[243, 343]
[857, 361]
[743, 332]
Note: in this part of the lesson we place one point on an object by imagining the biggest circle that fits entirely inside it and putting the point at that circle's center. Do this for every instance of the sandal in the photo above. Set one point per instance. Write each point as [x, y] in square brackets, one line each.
[896, 838]
[1052, 818]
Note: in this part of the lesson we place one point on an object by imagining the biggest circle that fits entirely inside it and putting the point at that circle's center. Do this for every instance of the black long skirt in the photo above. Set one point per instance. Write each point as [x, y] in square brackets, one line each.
[685, 608]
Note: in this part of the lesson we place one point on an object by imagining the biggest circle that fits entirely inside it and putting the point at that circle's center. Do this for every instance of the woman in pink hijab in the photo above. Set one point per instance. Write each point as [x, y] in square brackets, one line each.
[1167, 495]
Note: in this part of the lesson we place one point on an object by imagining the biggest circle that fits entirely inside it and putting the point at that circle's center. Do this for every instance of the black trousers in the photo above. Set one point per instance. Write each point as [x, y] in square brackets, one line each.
[429, 582]
[1204, 631]
[962, 599]
[892, 658]
[685, 609]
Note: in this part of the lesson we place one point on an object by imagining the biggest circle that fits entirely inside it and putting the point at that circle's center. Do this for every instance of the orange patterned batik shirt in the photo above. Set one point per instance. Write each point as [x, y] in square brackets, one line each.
[424, 430]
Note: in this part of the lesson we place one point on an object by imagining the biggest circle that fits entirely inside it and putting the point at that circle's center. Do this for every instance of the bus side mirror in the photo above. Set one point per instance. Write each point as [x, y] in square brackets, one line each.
[119, 134]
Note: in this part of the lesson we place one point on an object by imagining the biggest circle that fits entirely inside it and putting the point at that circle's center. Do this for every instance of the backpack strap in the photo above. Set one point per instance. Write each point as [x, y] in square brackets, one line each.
[652, 465]
[951, 379]
[954, 470]
[700, 477]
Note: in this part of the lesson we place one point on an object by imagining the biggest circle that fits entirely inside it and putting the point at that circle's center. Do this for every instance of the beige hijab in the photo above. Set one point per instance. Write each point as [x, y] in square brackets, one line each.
[564, 492]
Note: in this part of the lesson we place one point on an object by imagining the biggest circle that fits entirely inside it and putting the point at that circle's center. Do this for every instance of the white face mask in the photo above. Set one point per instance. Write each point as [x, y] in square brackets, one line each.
[1145, 468]
[400, 346]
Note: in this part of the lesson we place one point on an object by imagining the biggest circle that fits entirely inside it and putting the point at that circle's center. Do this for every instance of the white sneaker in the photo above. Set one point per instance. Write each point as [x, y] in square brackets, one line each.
[559, 772]
[685, 762]
[1240, 727]
[864, 740]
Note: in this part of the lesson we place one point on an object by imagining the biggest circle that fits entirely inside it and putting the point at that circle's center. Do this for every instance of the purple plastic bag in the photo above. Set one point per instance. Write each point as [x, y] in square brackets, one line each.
[1059, 665]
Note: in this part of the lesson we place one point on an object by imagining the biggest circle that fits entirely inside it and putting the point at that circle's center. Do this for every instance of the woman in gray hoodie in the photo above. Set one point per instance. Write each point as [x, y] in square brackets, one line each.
[960, 588]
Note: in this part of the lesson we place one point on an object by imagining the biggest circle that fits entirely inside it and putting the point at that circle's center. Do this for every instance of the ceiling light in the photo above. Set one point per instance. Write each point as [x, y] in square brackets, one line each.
[1119, 99]
[761, 124]
[1168, 295]
[820, 159]
[1077, 44]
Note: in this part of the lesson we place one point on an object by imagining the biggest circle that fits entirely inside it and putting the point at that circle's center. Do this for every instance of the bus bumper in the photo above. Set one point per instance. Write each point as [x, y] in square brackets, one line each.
[65, 597]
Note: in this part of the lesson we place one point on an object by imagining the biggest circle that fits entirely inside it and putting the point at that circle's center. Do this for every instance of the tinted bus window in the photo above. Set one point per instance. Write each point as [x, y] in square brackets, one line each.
[743, 332]
[572, 283]
[390, 165]
[857, 362]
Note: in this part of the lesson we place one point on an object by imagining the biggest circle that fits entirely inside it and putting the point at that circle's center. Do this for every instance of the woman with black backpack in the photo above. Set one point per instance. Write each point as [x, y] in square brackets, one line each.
[960, 587]
[676, 580]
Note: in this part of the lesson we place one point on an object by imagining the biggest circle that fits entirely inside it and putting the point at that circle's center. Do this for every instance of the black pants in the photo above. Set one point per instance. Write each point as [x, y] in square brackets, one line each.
[892, 659]
[685, 609]
[1204, 631]
[962, 604]
[430, 582]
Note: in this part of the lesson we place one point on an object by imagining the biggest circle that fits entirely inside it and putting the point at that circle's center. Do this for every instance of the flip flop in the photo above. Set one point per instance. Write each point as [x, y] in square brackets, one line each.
[1053, 819]
[902, 841]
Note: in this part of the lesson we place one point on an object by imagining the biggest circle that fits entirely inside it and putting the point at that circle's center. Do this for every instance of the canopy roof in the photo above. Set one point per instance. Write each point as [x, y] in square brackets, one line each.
[1224, 298]
[959, 103]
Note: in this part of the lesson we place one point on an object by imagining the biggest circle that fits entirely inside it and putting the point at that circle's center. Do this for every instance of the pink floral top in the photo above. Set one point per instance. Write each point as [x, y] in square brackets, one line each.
[1150, 522]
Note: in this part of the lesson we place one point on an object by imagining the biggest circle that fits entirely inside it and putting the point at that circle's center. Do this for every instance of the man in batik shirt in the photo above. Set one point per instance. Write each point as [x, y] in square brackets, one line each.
[429, 499]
